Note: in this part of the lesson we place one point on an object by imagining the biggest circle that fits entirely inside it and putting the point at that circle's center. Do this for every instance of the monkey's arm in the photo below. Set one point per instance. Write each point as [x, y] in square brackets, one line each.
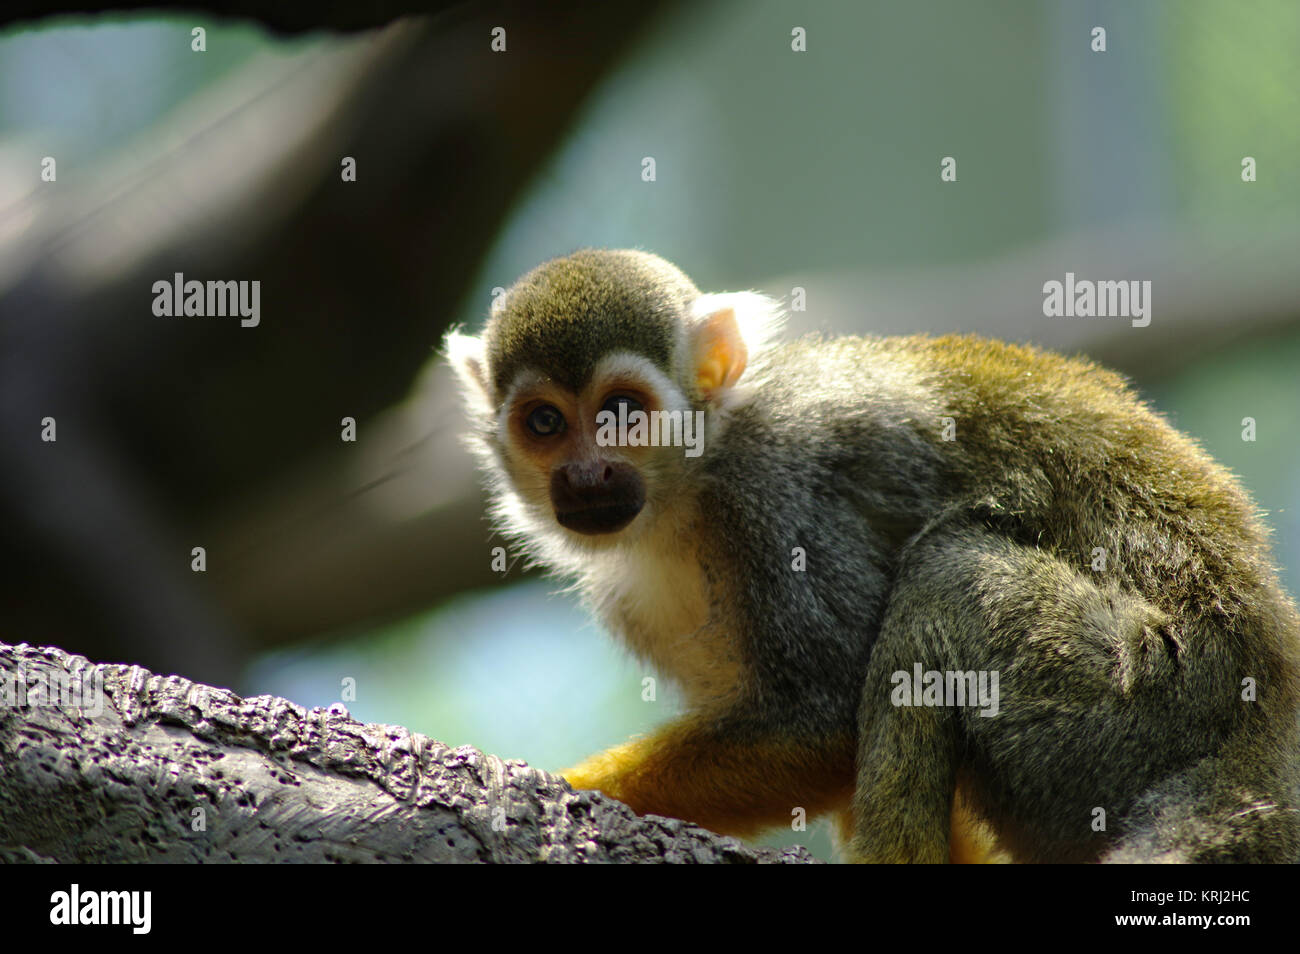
[740, 789]
[722, 774]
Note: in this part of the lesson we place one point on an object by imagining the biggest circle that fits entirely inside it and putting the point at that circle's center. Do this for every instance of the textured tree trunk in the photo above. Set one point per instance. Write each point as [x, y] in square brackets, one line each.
[115, 764]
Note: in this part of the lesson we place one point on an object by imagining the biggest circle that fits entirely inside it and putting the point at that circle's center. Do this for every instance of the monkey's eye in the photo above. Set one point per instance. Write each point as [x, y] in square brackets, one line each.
[545, 420]
[614, 400]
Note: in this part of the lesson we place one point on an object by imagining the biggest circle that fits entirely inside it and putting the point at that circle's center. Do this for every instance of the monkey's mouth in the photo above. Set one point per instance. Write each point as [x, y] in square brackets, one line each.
[603, 518]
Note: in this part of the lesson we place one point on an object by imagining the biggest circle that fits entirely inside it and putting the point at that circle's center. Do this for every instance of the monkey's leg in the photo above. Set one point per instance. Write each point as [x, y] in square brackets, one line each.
[728, 777]
[907, 767]
[1082, 716]
[970, 840]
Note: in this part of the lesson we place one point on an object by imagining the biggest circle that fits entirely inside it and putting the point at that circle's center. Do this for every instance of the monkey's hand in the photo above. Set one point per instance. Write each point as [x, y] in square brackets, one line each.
[726, 776]
[600, 772]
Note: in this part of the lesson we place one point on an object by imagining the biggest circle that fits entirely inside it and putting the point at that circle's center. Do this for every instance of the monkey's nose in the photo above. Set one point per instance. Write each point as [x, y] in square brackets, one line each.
[587, 477]
[597, 496]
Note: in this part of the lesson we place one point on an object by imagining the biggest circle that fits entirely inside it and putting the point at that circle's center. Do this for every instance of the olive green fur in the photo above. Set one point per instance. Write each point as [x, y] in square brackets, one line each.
[1122, 687]
[563, 316]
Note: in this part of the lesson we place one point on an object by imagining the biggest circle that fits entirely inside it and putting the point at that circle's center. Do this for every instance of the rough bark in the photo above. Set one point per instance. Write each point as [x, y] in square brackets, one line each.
[125, 780]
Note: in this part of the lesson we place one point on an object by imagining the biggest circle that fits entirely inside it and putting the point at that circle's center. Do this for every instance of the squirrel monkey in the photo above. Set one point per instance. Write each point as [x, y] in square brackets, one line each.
[857, 530]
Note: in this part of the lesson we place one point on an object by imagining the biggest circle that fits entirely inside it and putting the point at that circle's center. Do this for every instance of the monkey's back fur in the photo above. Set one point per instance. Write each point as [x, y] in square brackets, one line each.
[1123, 585]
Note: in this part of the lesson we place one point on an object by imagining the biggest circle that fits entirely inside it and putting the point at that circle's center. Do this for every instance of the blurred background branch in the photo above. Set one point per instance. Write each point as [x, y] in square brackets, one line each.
[285, 16]
[173, 424]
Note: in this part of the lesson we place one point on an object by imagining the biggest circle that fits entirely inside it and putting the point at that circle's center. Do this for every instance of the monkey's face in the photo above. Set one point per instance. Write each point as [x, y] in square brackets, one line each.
[593, 387]
[589, 457]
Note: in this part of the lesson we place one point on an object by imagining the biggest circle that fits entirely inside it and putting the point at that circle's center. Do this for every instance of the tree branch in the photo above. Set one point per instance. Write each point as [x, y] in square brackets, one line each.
[112, 763]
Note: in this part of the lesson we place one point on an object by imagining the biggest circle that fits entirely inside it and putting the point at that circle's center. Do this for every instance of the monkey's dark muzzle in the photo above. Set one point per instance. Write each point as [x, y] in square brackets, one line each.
[599, 498]
[596, 520]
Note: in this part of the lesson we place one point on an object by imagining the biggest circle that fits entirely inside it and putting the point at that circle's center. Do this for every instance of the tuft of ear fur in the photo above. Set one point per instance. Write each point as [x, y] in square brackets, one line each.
[467, 356]
[729, 335]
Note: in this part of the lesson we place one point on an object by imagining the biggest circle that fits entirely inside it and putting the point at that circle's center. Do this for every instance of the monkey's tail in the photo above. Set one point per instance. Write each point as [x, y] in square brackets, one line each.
[1227, 808]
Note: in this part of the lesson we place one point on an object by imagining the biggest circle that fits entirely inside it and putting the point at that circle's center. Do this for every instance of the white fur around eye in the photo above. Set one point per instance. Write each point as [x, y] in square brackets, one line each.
[627, 368]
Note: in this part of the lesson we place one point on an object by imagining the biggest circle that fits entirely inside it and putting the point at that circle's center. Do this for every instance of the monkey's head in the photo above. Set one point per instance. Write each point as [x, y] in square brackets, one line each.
[590, 383]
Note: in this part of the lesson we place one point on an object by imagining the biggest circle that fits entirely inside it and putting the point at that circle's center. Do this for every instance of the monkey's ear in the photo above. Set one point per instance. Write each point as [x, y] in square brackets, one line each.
[719, 352]
[468, 358]
[728, 332]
